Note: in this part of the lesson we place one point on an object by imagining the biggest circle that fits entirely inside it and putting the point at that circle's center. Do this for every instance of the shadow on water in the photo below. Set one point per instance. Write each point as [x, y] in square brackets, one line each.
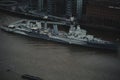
[78, 50]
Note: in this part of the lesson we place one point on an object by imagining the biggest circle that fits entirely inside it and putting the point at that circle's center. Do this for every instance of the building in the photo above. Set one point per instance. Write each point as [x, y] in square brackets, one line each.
[51, 7]
[102, 13]
[35, 4]
[79, 8]
[41, 4]
[66, 8]
[60, 7]
[69, 8]
[88, 12]
[74, 8]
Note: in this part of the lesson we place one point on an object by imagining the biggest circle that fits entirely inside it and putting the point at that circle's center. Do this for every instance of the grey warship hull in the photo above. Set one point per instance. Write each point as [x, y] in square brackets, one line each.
[110, 46]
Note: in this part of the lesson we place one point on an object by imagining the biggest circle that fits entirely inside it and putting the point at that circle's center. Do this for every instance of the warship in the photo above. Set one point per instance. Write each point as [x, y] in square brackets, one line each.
[49, 30]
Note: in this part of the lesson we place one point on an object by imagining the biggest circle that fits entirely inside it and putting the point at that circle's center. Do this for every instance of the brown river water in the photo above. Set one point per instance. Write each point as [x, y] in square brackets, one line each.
[54, 61]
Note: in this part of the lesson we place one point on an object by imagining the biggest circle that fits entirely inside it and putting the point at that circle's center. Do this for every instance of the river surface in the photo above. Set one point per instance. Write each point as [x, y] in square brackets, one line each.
[54, 61]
